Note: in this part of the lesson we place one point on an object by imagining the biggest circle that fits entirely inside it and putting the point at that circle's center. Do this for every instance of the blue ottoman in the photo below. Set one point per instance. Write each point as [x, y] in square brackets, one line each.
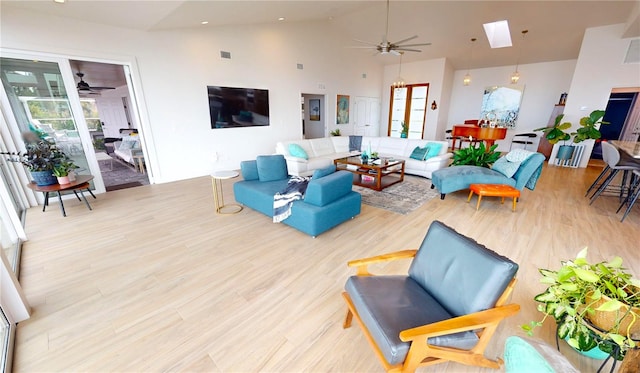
[452, 179]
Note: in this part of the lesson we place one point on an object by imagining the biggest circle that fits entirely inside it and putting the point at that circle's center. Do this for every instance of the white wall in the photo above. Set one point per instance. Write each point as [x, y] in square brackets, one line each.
[599, 69]
[173, 68]
[433, 72]
[543, 83]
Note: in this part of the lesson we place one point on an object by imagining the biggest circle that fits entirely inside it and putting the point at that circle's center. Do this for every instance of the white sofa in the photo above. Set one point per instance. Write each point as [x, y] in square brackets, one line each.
[323, 151]
[127, 148]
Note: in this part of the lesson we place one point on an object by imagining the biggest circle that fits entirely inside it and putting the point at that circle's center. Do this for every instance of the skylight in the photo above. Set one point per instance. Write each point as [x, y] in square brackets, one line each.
[498, 34]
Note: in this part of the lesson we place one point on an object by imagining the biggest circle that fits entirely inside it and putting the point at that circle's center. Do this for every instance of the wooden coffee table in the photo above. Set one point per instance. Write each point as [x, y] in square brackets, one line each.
[373, 176]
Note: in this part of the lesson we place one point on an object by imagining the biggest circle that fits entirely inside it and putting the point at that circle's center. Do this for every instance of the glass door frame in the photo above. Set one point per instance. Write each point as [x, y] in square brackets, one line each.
[408, 107]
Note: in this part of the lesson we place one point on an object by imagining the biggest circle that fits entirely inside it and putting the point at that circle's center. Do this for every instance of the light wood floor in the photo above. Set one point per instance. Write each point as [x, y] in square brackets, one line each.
[153, 280]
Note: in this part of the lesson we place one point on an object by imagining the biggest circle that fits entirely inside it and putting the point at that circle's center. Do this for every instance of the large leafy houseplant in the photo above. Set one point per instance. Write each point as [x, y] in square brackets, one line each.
[476, 156]
[578, 291]
[556, 133]
[41, 155]
[588, 128]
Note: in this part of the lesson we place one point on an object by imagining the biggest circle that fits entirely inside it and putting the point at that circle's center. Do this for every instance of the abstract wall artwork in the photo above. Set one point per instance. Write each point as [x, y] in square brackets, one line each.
[342, 109]
[501, 105]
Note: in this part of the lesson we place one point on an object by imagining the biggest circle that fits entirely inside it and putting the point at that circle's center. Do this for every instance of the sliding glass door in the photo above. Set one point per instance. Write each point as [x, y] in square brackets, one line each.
[41, 101]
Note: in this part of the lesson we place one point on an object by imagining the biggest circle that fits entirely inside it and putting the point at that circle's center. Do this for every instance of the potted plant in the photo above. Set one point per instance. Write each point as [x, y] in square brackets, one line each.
[63, 171]
[476, 156]
[335, 132]
[555, 134]
[580, 294]
[404, 133]
[40, 158]
[588, 128]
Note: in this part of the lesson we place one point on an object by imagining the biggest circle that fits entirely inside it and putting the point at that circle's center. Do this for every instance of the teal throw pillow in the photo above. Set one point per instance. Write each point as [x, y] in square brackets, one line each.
[321, 172]
[434, 149]
[419, 153]
[297, 151]
[505, 167]
[271, 167]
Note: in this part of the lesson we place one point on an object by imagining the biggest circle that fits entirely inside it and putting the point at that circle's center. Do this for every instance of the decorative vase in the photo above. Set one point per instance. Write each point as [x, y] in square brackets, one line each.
[594, 353]
[72, 176]
[607, 320]
[565, 152]
[43, 178]
[63, 180]
[403, 135]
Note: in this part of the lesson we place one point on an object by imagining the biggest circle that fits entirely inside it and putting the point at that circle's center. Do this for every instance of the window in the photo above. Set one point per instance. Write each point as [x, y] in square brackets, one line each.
[55, 113]
[408, 105]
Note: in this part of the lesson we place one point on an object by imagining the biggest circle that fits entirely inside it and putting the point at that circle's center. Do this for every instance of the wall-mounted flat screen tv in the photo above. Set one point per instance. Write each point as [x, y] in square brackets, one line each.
[231, 107]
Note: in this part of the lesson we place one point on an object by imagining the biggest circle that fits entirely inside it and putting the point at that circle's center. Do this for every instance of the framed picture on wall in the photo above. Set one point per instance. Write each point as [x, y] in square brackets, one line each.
[314, 110]
[342, 109]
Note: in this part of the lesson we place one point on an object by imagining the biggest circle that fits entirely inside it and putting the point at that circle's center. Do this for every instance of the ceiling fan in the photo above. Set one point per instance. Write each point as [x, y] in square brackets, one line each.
[84, 87]
[385, 47]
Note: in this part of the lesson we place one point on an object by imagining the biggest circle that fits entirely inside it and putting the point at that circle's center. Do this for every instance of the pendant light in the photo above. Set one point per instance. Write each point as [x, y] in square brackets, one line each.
[399, 82]
[516, 75]
[467, 78]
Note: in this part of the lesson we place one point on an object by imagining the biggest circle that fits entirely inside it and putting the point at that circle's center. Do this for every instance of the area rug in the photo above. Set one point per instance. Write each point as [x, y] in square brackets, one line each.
[401, 198]
[118, 175]
[134, 184]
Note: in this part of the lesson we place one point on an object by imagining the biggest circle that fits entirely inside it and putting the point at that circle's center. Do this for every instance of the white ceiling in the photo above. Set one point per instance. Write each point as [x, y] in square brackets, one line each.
[556, 28]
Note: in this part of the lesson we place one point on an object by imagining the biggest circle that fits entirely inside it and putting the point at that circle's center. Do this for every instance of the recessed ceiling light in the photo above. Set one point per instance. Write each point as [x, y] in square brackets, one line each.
[59, 1]
[204, 22]
[281, 19]
[498, 34]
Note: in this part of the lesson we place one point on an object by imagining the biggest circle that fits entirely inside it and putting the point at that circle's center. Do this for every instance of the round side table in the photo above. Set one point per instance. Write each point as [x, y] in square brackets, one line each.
[218, 196]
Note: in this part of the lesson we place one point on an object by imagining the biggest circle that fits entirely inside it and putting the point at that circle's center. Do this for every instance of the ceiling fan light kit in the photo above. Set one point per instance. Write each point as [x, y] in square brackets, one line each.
[386, 47]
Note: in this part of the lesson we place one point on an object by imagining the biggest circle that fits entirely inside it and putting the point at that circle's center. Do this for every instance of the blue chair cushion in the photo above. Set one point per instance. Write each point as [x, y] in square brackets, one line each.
[388, 305]
[271, 167]
[461, 274]
[320, 172]
[249, 170]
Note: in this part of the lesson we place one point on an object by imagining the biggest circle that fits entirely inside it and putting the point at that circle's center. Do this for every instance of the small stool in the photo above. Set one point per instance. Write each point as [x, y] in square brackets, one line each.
[218, 196]
[493, 190]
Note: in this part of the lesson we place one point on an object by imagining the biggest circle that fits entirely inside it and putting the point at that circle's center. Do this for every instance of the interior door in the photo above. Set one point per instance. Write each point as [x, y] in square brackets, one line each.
[112, 113]
[41, 94]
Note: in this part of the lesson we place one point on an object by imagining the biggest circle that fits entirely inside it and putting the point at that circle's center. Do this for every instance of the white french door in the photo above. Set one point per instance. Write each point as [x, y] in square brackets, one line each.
[39, 91]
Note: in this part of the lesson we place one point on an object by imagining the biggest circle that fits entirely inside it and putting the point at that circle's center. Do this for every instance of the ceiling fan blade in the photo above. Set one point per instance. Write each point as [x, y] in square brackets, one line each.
[408, 50]
[365, 42]
[414, 45]
[407, 39]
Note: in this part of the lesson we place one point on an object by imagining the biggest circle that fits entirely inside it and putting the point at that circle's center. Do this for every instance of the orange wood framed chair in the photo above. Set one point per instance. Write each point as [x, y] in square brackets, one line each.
[446, 309]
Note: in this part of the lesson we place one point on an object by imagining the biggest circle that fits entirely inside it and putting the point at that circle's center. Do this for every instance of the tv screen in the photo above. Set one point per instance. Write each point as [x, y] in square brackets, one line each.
[238, 107]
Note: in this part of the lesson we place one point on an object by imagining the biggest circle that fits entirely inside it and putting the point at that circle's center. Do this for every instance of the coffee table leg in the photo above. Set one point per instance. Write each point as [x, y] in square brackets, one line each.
[64, 213]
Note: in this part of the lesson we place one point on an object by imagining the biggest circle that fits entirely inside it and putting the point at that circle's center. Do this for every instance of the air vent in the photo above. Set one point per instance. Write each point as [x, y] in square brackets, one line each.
[300, 66]
[226, 55]
[633, 53]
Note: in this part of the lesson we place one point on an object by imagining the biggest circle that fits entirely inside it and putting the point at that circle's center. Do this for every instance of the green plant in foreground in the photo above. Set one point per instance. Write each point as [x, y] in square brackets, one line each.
[572, 293]
[476, 156]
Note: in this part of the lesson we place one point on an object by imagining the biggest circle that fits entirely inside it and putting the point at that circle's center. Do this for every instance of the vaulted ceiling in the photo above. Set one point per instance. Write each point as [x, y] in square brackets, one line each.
[556, 28]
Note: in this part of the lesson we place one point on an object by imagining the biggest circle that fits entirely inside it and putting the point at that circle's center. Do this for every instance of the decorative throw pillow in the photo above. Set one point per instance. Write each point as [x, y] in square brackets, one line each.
[419, 153]
[505, 167]
[518, 155]
[297, 151]
[355, 143]
[126, 145]
[434, 149]
[321, 172]
[271, 167]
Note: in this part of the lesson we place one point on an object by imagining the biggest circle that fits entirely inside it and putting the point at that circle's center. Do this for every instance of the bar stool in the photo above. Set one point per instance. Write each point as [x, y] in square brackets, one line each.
[633, 195]
[523, 139]
[615, 164]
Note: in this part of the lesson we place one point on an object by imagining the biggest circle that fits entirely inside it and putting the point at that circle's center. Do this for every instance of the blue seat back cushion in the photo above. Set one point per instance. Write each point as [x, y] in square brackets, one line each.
[434, 149]
[249, 170]
[297, 151]
[320, 172]
[464, 276]
[271, 167]
[505, 167]
[322, 191]
[419, 153]
[388, 305]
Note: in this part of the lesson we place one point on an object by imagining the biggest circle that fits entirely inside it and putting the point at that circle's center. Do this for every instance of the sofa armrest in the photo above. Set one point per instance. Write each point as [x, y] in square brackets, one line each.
[323, 191]
[440, 158]
[291, 158]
